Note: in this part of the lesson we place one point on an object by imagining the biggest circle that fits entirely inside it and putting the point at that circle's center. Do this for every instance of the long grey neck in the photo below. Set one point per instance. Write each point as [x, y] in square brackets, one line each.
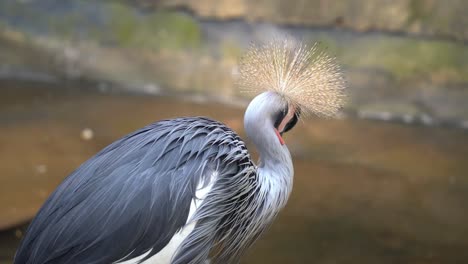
[273, 155]
[275, 172]
[275, 168]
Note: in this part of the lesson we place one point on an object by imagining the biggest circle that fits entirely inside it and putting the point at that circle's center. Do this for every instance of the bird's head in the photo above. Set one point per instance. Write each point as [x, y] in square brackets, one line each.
[293, 80]
[270, 111]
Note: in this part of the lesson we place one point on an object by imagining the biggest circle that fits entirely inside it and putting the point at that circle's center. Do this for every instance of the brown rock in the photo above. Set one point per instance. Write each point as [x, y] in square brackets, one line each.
[422, 17]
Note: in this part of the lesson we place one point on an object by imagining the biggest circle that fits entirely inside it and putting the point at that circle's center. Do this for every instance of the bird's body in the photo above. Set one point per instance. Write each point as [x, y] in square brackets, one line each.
[184, 190]
[122, 204]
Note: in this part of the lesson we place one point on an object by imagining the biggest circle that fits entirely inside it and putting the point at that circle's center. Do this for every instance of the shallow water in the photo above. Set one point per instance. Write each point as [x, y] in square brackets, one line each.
[364, 192]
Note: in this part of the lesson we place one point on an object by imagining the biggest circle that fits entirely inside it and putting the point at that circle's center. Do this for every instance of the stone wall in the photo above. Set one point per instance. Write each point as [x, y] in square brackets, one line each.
[160, 47]
[434, 18]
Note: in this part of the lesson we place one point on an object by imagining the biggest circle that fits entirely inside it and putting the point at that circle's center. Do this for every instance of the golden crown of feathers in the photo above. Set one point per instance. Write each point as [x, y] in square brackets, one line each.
[305, 76]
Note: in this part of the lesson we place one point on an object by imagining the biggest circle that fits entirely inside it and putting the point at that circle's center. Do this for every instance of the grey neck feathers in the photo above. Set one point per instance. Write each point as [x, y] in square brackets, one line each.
[275, 167]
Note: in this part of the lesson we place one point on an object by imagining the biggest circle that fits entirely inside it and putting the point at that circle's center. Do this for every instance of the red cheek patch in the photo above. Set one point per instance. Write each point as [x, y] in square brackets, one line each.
[281, 140]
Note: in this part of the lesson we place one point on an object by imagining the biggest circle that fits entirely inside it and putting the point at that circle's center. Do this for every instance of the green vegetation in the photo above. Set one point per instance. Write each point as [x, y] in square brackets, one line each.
[161, 29]
[123, 24]
[231, 50]
[418, 11]
[125, 27]
[403, 58]
[327, 44]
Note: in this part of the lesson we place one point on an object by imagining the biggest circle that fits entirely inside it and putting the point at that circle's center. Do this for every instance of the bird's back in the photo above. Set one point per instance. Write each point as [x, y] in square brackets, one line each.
[132, 197]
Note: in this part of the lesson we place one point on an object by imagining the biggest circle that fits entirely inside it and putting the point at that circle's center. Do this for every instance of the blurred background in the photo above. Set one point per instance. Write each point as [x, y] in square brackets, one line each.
[385, 182]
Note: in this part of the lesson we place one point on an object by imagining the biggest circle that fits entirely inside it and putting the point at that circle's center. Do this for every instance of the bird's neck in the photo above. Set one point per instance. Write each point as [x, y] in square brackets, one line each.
[275, 174]
[275, 168]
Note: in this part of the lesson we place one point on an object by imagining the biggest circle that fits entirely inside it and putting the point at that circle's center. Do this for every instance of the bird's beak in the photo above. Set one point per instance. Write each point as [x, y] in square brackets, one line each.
[280, 138]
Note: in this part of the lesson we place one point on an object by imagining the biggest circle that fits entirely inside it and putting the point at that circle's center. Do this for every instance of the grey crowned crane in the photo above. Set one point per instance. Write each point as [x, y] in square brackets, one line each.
[185, 190]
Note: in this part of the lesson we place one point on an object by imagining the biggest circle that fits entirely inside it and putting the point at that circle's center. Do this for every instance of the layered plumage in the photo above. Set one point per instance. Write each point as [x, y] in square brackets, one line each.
[135, 194]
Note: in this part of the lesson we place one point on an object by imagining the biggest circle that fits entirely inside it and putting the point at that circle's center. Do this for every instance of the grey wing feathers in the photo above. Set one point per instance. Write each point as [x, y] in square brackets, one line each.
[134, 195]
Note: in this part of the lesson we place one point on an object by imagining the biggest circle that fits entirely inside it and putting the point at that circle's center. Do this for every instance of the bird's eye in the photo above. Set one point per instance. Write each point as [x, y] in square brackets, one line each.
[279, 116]
[293, 121]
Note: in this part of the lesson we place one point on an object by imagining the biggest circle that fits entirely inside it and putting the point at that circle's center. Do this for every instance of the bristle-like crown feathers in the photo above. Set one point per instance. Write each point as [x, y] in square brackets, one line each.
[305, 76]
